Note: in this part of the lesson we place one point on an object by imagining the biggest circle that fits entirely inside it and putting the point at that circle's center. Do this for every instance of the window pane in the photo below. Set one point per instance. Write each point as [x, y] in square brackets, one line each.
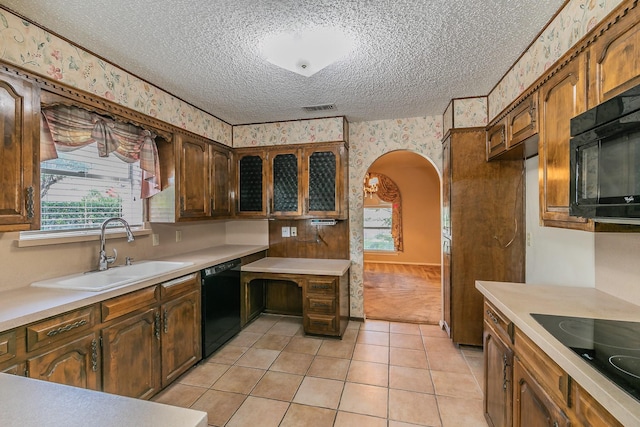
[377, 229]
[79, 190]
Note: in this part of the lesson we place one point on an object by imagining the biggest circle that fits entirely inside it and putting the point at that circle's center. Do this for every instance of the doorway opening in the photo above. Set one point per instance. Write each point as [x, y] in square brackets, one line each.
[401, 232]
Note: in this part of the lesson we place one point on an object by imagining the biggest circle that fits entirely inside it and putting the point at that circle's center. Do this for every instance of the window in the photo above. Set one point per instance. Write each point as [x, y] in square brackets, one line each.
[377, 228]
[79, 190]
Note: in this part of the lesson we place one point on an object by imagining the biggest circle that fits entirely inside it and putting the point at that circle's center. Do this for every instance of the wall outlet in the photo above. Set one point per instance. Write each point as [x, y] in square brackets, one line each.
[528, 239]
[294, 231]
[178, 236]
[286, 231]
[155, 239]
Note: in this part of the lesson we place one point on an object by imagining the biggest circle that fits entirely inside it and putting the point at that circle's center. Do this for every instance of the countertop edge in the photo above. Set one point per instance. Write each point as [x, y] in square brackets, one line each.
[277, 265]
[620, 404]
[67, 300]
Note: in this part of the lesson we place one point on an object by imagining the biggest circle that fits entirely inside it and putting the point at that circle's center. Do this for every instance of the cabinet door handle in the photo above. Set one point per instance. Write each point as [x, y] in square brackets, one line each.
[505, 365]
[29, 202]
[156, 325]
[94, 355]
[166, 322]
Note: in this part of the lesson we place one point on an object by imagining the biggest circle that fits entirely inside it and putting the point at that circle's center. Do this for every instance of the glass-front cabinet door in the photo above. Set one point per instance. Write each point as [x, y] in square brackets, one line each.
[251, 183]
[286, 180]
[323, 181]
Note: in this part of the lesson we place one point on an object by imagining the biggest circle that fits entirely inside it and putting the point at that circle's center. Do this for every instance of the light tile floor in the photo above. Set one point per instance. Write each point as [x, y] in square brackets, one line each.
[383, 374]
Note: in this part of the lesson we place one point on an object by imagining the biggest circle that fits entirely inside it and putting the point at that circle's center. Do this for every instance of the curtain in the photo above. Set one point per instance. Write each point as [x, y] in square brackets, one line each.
[389, 192]
[67, 128]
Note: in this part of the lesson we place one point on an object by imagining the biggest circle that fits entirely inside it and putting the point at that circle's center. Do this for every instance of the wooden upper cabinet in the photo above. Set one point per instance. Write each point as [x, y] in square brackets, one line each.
[325, 181]
[562, 97]
[251, 194]
[285, 187]
[295, 181]
[193, 188]
[19, 154]
[497, 139]
[614, 64]
[523, 121]
[221, 176]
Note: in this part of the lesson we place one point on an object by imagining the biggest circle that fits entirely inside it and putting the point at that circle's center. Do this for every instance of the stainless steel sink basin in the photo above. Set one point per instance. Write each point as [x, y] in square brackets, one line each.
[113, 277]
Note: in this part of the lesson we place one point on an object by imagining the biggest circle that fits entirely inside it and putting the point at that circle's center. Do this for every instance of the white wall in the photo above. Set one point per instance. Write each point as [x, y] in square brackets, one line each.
[556, 256]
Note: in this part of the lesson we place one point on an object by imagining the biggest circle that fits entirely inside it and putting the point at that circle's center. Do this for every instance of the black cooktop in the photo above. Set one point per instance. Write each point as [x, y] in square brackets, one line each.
[610, 346]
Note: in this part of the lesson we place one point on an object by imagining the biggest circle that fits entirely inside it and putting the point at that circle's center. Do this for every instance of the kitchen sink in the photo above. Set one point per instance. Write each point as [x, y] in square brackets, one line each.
[96, 281]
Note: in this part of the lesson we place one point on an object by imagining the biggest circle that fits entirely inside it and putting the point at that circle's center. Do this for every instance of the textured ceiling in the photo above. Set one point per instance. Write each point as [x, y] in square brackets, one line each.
[410, 59]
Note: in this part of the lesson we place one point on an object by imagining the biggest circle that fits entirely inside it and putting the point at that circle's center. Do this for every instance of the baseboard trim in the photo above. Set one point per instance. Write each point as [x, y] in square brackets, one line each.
[426, 264]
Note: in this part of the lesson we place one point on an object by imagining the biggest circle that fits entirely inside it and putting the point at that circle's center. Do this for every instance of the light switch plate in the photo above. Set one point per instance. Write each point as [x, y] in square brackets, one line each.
[178, 235]
[286, 231]
[155, 239]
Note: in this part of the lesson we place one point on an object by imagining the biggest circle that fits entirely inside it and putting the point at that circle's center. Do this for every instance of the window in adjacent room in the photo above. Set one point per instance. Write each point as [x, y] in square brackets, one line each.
[378, 225]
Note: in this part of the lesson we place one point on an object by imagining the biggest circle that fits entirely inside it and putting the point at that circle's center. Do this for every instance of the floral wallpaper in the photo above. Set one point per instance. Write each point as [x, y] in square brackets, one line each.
[368, 141]
[34, 49]
[290, 132]
[470, 112]
[576, 19]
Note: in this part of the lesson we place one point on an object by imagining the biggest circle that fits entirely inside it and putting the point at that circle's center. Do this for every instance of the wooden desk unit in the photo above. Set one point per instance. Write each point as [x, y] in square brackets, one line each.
[324, 284]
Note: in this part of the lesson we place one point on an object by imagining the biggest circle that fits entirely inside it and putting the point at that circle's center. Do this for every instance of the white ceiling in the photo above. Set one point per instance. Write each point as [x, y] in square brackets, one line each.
[411, 57]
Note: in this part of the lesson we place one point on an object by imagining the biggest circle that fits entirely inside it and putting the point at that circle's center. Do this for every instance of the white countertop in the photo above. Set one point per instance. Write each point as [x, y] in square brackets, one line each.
[314, 266]
[29, 304]
[517, 301]
[32, 403]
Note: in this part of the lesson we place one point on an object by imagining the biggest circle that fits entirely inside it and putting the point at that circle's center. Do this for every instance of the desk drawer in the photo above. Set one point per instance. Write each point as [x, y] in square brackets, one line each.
[60, 327]
[320, 324]
[321, 286]
[321, 305]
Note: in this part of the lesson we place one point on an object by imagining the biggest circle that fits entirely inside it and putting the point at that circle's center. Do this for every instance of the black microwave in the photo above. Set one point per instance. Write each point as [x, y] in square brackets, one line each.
[605, 161]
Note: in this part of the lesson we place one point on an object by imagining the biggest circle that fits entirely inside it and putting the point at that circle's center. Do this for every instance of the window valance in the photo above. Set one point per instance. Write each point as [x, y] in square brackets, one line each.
[388, 191]
[67, 128]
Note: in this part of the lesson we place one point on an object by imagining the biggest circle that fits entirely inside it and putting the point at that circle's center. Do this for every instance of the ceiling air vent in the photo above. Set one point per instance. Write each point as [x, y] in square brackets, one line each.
[314, 108]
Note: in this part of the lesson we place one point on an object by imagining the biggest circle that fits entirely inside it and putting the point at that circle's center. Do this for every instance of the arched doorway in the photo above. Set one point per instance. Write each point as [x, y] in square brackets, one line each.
[402, 282]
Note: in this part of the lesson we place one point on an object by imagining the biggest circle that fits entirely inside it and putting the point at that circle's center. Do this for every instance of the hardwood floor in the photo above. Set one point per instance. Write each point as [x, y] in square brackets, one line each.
[402, 293]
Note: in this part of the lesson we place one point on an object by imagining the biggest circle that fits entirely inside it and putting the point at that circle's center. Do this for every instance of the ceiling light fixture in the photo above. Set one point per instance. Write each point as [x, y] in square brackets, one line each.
[307, 52]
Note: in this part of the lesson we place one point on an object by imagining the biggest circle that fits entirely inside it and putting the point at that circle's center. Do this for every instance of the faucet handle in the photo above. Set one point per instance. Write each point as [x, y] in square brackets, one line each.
[128, 260]
[112, 259]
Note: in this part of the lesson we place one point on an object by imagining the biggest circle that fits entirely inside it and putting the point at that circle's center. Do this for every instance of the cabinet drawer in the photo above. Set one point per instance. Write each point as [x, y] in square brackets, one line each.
[60, 327]
[499, 322]
[321, 305]
[179, 286]
[321, 286]
[129, 303]
[320, 324]
[554, 379]
[8, 347]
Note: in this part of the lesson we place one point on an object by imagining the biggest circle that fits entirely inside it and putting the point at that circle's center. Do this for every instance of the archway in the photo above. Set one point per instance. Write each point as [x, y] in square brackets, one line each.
[402, 273]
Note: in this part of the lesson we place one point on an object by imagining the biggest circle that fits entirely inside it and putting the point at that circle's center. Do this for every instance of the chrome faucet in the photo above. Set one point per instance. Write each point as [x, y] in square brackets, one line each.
[105, 260]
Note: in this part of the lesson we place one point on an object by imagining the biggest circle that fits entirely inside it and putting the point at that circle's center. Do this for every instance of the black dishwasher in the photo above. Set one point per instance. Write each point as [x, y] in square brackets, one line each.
[220, 305]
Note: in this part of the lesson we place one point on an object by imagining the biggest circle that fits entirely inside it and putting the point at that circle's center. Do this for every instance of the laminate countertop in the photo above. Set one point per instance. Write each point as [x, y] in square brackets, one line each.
[313, 266]
[517, 301]
[28, 304]
[32, 403]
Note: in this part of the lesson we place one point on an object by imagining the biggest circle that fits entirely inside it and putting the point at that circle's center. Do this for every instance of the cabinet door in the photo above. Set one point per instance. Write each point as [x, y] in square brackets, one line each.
[194, 201]
[323, 182]
[498, 380]
[532, 405]
[286, 178]
[221, 183]
[75, 363]
[251, 192]
[180, 336]
[19, 153]
[497, 139]
[614, 64]
[131, 355]
[562, 97]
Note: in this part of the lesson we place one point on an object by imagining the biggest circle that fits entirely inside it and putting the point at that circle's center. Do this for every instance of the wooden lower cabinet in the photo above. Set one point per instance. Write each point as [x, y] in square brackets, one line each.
[75, 363]
[181, 345]
[498, 384]
[532, 405]
[131, 354]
